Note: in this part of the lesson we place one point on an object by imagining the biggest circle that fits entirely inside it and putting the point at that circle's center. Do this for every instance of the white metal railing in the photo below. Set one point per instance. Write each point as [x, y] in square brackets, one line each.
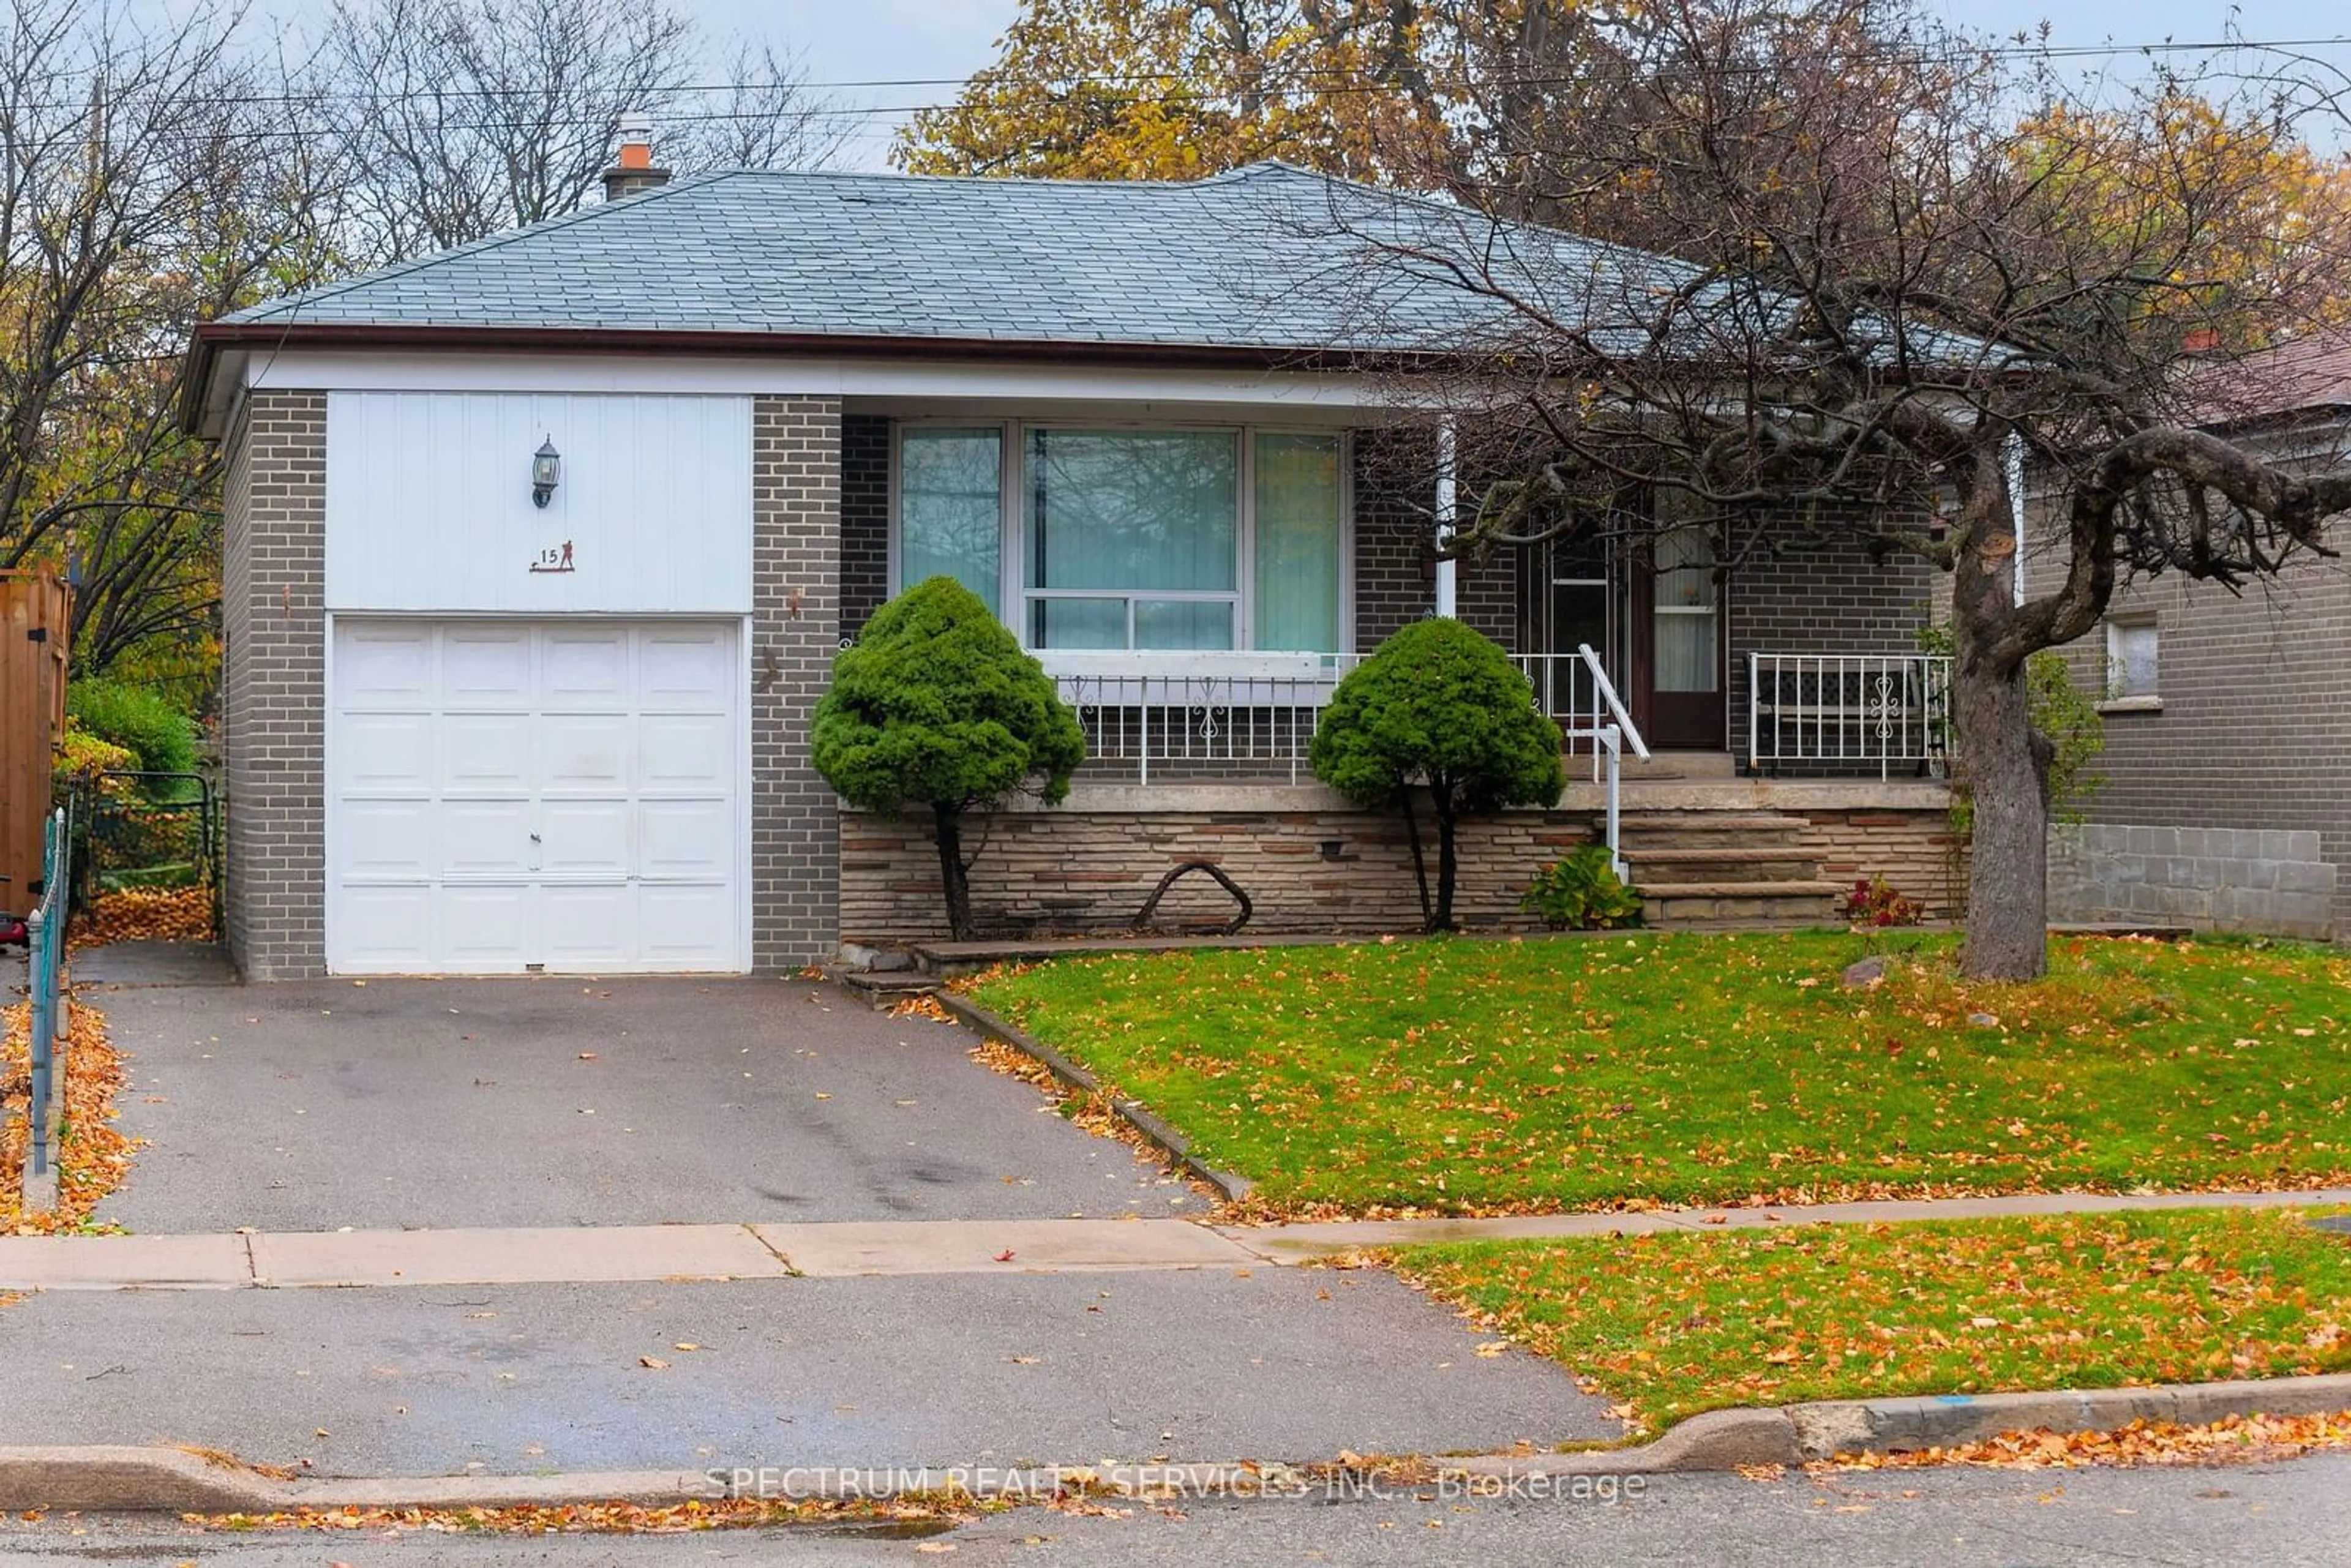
[1225, 710]
[1214, 708]
[1574, 690]
[1814, 710]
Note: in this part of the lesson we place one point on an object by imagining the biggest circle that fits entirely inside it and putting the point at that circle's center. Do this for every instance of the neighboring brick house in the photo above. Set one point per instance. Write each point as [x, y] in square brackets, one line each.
[2227, 714]
[538, 553]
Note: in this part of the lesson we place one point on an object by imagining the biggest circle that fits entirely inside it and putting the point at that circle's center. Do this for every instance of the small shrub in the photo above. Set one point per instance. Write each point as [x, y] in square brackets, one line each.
[1873, 901]
[1582, 891]
[936, 704]
[144, 722]
[1439, 708]
[82, 757]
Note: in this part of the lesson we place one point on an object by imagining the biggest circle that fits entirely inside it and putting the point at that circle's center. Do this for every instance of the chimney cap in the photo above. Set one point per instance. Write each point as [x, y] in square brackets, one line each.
[636, 141]
[632, 170]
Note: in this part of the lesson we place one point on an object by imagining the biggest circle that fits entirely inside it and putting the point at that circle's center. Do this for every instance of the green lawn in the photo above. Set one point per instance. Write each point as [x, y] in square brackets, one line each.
[1478, 1076]
[1677, 1324]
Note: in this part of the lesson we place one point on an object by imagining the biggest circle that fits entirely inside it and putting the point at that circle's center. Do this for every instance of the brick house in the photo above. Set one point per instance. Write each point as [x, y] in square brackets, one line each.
[537, 552]
[2227, 714]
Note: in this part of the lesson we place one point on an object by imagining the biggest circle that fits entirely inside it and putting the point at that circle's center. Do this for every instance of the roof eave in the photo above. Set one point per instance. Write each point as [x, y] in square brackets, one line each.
[212, 338]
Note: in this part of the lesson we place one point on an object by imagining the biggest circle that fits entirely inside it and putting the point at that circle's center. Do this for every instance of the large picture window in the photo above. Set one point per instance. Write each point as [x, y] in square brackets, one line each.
[1101, 539]
[1133, 538]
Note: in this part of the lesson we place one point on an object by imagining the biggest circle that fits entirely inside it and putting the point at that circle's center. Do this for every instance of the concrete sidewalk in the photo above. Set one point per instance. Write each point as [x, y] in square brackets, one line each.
[1011, 1247]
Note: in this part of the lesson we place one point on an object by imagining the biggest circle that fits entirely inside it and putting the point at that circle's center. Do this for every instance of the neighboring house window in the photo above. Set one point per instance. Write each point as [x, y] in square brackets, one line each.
[1095, 538]
[2130, 660]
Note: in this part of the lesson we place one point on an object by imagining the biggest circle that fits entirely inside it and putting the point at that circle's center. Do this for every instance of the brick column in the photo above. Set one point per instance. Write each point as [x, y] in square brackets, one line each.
[273, 679]
[795, 630]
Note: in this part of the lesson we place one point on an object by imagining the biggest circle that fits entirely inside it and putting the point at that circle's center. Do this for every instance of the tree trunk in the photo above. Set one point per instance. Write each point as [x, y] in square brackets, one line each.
[2007, 780]
[1446, 862]
[949, 821]
[2006, 762]
[1420, 866]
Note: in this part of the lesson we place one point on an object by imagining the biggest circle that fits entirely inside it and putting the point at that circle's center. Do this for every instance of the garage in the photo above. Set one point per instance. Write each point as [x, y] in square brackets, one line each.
[512, 796]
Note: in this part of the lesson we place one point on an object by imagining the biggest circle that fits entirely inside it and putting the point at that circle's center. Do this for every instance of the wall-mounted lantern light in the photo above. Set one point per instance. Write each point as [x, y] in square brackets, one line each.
[546, 468]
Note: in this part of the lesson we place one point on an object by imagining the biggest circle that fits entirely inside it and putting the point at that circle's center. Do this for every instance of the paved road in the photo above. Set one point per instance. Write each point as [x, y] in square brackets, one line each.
[2295, 1515]
[1270, 1364]
[453, 1103]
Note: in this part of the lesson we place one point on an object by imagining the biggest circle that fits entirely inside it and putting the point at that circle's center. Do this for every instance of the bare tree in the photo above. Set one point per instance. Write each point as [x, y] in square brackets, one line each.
[455, 119]
[1888, 264]
[145, 187]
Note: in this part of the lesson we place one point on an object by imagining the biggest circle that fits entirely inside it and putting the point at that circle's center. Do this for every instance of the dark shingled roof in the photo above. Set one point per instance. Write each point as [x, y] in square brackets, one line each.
[1265, 258]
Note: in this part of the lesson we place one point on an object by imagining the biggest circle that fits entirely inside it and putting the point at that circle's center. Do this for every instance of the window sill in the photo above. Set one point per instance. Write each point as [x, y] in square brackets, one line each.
[2132, 704]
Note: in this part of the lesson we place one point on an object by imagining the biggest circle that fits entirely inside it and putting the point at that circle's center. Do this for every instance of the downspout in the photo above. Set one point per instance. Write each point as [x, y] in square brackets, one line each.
[1446, 499]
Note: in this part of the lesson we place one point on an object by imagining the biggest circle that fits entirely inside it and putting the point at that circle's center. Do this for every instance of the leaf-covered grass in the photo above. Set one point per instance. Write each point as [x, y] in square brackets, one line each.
[92, 1155]
[1675, 1323]
[1481, 1077]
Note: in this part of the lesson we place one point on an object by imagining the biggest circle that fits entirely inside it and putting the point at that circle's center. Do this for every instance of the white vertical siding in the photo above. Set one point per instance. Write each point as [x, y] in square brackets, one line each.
[429, 508]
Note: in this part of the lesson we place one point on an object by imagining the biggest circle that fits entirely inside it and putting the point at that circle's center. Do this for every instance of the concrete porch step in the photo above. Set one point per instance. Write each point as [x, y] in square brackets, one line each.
[1808, 888]
[1711, 855]
[1678, 764]
[883, 989]
[1711, 822]
[1784, 870]
[1803, 901]
[1739, 903]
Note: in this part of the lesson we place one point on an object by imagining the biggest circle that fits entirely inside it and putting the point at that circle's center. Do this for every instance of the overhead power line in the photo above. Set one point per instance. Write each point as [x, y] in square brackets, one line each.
[1308, 73]
[815, 107]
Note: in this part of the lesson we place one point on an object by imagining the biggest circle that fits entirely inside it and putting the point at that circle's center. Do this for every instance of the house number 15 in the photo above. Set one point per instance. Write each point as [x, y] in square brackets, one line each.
[555, 557]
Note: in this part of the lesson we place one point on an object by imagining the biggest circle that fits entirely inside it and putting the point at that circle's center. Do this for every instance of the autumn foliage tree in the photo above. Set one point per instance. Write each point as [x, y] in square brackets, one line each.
[1395, 91]
[1438, 710]
[936, 704]
[1875, 298]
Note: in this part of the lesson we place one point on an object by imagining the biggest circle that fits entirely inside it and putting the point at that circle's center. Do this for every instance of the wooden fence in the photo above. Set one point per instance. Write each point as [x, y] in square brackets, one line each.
[35, 626]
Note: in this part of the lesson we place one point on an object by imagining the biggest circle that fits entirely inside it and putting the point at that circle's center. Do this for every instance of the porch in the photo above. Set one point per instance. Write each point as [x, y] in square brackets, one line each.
[1748, 744]
[1239, 716]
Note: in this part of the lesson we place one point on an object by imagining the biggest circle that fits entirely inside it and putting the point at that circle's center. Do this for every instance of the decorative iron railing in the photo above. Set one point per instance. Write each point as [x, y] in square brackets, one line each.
[1248, 714]
[1242, 713]
[1818, 711]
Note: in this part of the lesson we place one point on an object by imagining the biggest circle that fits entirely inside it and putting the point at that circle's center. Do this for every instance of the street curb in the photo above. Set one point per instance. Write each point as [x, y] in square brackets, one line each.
[1173, 1144]
[96, 1479]
[1793, 1433]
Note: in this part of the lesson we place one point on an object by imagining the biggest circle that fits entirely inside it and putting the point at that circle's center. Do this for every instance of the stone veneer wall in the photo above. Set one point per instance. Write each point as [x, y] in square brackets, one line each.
[795, 573]
[2266, 880]
[1914, 850]
[1308, 862]
[273, 686]
[1329, 868]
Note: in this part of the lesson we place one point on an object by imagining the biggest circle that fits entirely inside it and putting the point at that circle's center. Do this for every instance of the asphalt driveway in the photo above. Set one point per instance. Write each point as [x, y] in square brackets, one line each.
[567, 1102]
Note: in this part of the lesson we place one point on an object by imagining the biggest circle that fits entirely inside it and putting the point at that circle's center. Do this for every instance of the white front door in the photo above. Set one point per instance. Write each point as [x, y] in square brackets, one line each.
[506, 797]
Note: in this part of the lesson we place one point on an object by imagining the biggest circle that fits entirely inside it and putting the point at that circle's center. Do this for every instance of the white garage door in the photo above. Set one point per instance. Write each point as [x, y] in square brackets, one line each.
[507, 797]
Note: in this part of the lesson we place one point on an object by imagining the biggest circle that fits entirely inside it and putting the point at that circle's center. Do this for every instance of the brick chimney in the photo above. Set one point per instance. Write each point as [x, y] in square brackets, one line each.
[633, 171]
